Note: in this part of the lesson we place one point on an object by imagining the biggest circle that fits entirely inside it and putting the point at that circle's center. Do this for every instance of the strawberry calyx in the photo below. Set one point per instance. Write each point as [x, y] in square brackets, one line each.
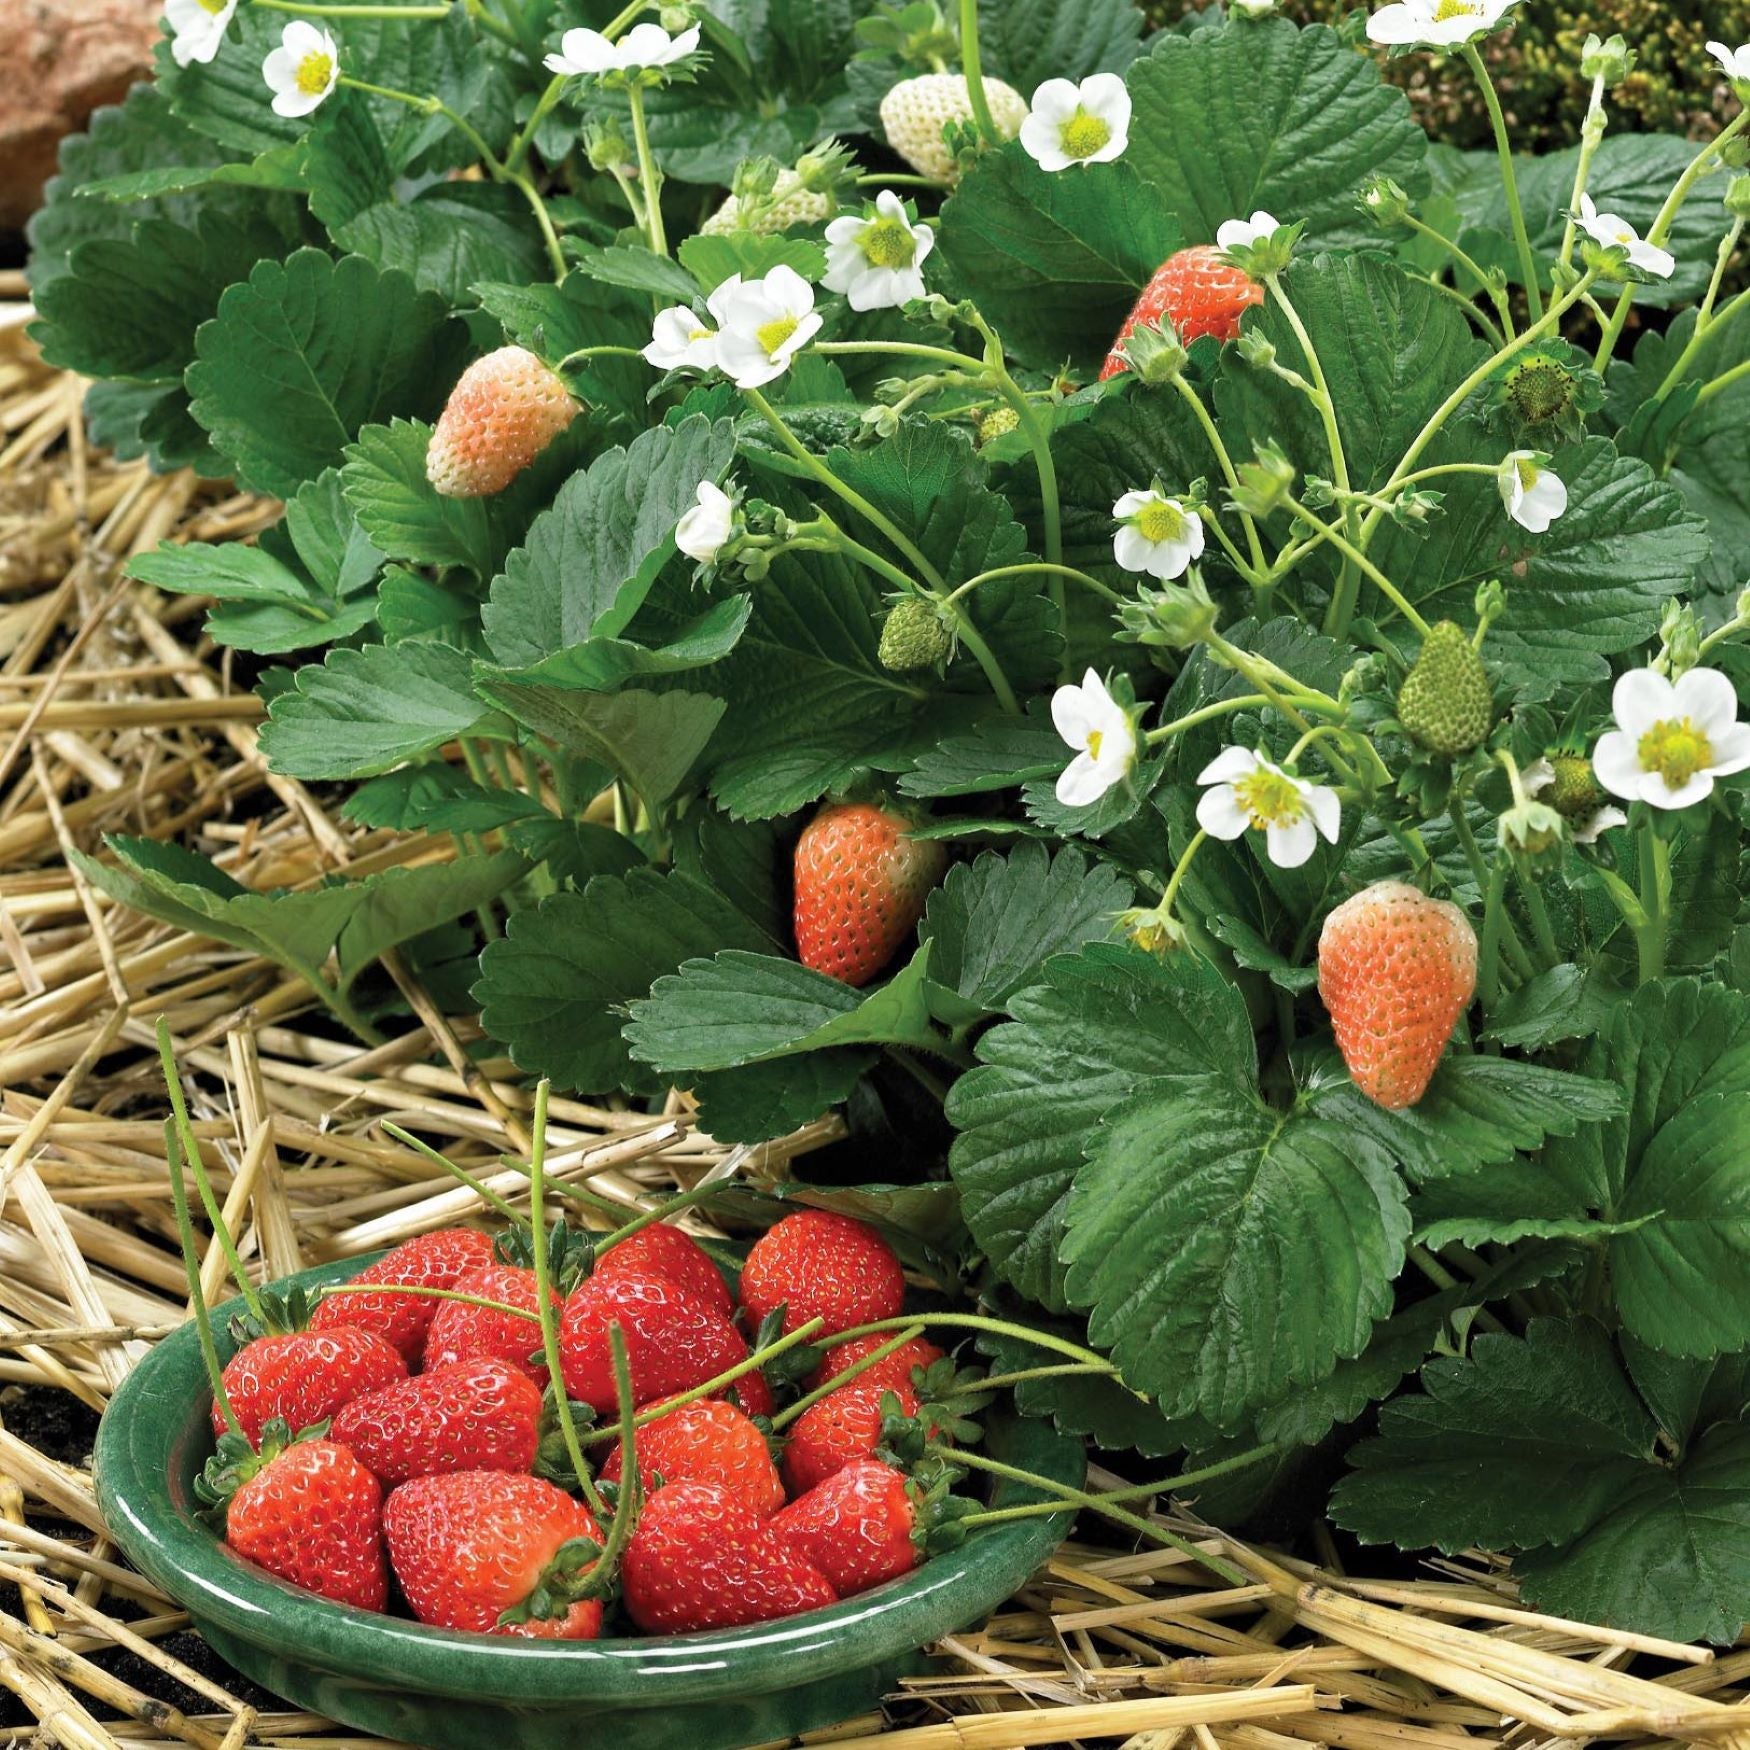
[235, 1462]
[279, 1312]
[552, 1454]
[567, 1580]
[938, 1515]
[570, 1253]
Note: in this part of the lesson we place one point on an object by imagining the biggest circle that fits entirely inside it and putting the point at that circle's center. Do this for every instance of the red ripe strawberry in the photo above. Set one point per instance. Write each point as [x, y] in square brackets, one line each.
[816, 1264]
[477, 1547]
[303, 1377]
[500, 416]
[1396, 970]
[860, 888]
[706, 1441]
[674, 1341]
[839, 1430]
[434, 1260]
[895, 1368]
[858, 1526]
[661, 1250]
[311, 1514]
[1198, 293]
[752, 1394]
[461, 1332]
[470, 1415]
[702, 1559]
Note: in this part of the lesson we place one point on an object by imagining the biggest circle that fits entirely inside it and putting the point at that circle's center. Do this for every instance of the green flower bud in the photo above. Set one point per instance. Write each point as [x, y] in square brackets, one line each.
[1529, 829]
[606, 146]
[1385, 202]
[1152, 930]
[1175, 618]
[1255, 349]
[1611, 60]
[1680, 634]
[1738, 197]
[1265, 482]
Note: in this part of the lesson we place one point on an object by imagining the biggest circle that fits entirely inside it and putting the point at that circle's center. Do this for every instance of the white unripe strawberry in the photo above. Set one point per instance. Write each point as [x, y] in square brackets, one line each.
[914, 111]
[792, 204]
[505, 410]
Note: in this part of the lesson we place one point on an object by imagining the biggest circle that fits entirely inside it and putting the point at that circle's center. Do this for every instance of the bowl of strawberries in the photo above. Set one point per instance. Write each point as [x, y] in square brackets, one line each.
[551, 1483]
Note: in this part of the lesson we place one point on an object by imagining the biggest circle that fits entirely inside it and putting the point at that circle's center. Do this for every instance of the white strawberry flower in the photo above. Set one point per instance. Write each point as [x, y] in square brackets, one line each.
[1436, 24]
[197, 28]
[1612, 231]
[587, 54]
[1672, 738]
[762, 325]
[1070, 124]
[303, 70]
[877, 260]
[1156, 534]
[1252, 794]
[1534, 497]
[679, 340]
[703, 531]
[1251, 8]
[1246, 233]
[1101, 732]
[1735, 61]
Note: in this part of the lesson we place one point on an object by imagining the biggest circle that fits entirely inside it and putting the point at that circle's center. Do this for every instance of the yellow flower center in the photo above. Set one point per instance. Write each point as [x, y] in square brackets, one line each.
[772, 335]
[314, 73]
[700, 334]
[1160, 521]
[1083, 135]
[1529, 472]
[1269, 798]
[1095, 738]
[1676, 750]
[888, 243]
[1450, 9]
[215, 7]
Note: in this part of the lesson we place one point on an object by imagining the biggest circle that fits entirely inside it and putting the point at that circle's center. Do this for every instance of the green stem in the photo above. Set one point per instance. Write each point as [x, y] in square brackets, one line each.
[631, 1496]
[1723, 382]
[1225, 462]
[1541, 930]
[1661, 228]
[461, 1174]
[1093, 1504]
[1465, 260]
[803, 1334]
[203, 1322]
[1480, 874]
[340, 1290]
[203, 1185]
[977, 1322]
[544, 1302]
[672, 1206]
[1489, 954]
[1138, 1491]
[1591, 137]
[897, 1341]
[1655, 903]
[818, 470]
[1036, 566]
[1704, 320]
[1026, 1375]
[972, 66]
[1509, 180]
[1363, 566]
[648, 174]
[1491, 330]
[1204, 713]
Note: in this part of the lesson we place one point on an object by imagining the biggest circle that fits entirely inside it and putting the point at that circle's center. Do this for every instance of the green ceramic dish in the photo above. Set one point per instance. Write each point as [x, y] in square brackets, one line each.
[457, 1692]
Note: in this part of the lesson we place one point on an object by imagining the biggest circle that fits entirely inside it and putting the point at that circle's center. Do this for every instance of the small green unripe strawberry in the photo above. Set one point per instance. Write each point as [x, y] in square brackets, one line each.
[1446, 704]
[999, 422]
[914, 636]
[1574, 792]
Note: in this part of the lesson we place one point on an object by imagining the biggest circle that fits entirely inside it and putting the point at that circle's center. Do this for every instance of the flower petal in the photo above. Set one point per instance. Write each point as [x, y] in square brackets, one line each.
[1230, 763]
[1324, 807]
[1289, 846]
[1081, 782]
[1640, 699]
[1617, 766]
[1709, 697]
[1661, 795]
[1055, 101]
[1220, 815]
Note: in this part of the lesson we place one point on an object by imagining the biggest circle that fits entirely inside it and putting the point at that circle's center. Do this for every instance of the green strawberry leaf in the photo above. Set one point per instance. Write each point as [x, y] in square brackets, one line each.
[1029, 41]
[600, 665]
[1477, 1110]
[652, 740]
[740, 1008]
[993, 923]
[1055, 262]
[764, 1100]
[589, 561]
[363, 711]
[554, 987]
[439, 798]
[450, 239]
[1097, 1025]
[998, 753]
[304, 352]
[555, 321]
[1261, 113]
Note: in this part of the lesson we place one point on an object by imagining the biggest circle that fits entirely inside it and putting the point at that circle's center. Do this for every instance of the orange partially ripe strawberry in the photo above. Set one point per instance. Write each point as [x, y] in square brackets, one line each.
[504, 411]
[1195, 290]
[1396, 970]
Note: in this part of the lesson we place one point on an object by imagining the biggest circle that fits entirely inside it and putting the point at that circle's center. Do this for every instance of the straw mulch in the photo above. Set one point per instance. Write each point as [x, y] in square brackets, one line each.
[115, 716]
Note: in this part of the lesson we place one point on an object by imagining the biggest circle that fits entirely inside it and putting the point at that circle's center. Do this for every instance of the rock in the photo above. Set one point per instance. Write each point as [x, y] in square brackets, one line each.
[65, 58]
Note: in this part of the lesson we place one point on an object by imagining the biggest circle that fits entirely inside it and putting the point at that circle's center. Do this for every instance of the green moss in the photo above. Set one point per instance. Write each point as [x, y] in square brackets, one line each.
[1676, 88]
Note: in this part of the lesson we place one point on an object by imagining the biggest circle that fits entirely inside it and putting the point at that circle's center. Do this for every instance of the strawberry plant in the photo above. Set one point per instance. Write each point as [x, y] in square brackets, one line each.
[1095, 602]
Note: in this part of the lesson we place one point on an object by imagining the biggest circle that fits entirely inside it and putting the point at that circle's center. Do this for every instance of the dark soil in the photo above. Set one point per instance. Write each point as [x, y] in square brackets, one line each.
[63, 1428]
